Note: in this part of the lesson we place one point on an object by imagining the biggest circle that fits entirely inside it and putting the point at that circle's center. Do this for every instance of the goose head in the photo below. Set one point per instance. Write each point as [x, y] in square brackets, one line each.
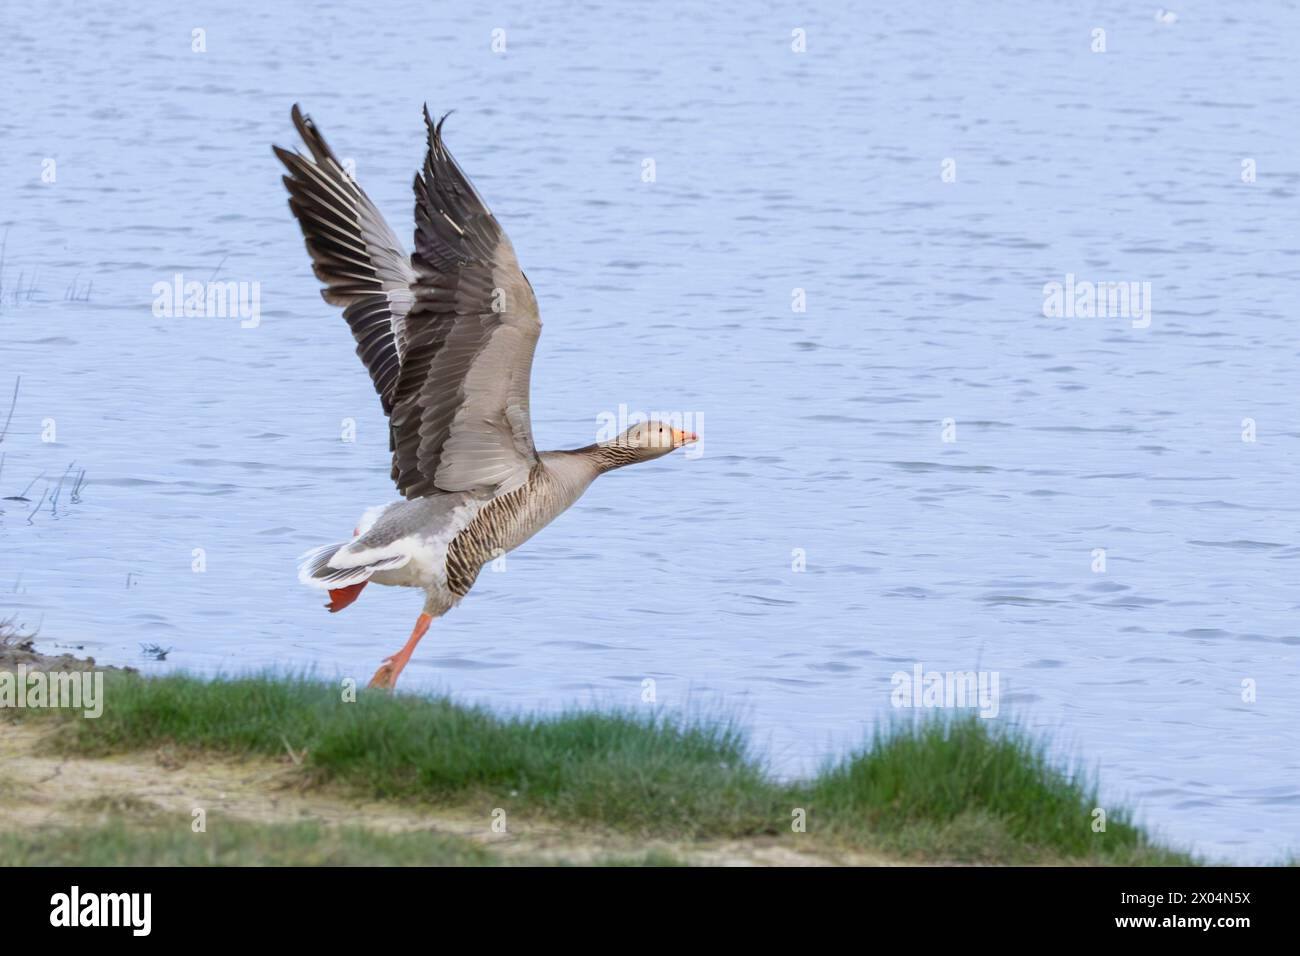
[646, 441]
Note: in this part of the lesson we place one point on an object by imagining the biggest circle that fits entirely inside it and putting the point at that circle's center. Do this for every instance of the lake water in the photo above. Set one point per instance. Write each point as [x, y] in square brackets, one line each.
[921, 175]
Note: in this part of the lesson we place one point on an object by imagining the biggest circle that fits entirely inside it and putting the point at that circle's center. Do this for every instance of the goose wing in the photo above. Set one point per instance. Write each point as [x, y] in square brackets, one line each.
[354, 253]
[460, 419]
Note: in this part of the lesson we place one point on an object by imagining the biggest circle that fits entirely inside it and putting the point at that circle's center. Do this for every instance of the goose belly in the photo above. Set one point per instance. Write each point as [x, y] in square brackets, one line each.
[499, 526]
[427, 548]
[450, 538]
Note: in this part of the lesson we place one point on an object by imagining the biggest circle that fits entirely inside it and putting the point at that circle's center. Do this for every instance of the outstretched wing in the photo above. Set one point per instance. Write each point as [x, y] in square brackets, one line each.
[460, 419]
[354, 252]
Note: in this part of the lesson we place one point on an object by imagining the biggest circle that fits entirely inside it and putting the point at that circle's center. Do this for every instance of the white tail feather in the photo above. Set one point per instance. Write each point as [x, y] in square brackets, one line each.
[317, 569]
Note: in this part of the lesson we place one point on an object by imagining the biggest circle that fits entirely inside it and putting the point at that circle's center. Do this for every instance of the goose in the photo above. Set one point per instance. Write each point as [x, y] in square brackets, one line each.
[447, 336]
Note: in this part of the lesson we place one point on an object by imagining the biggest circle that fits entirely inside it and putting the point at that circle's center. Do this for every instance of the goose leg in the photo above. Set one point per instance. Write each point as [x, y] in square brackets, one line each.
[386, 676]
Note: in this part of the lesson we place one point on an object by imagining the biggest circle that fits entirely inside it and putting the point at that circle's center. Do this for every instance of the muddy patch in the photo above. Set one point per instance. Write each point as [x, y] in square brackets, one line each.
[20, 648]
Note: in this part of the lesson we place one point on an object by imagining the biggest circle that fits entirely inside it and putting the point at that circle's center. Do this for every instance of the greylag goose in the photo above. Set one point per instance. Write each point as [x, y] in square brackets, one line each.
[447, 336]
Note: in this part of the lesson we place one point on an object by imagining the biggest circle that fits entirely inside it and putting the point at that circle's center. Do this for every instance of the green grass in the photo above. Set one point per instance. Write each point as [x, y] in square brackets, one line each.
[649, 858]
[122, 842]
[617, 770]
[973, 790]
[963, 789]
[161, 840]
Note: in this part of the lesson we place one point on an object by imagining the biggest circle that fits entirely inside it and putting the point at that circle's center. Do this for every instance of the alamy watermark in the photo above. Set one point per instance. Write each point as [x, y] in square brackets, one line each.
[953, 689]
[75, 908]
[211, 299]
[609, 425]
[71, 690]
[1090, 300]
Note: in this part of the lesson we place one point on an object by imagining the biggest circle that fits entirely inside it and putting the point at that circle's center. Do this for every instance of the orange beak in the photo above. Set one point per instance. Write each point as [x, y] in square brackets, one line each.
[681, 438]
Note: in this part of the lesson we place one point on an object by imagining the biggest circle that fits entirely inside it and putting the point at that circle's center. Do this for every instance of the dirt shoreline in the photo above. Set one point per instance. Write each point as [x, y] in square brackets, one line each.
[16, 649]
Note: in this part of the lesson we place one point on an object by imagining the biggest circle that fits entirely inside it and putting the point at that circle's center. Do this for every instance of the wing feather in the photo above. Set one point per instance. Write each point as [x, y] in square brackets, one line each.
[461, 420]
[354, 253]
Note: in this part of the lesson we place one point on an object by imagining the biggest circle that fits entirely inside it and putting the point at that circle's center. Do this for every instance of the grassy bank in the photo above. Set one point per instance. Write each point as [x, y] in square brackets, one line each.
[130, 841]
[124, 839]
[963, 790]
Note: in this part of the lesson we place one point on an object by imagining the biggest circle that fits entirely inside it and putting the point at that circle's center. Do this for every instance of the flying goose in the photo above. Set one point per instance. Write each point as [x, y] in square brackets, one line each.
[447, 336]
